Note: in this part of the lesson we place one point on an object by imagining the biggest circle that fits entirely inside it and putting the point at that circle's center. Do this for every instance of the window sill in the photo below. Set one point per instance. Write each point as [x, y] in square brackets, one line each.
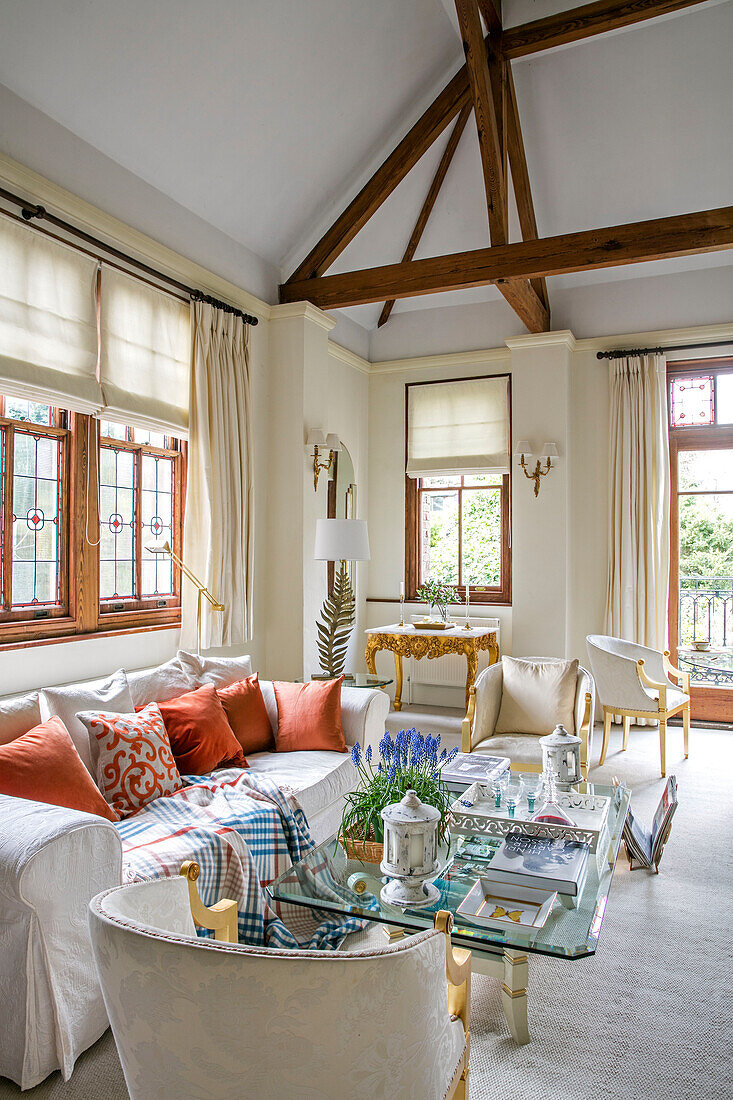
[62, 639]
[454, 609]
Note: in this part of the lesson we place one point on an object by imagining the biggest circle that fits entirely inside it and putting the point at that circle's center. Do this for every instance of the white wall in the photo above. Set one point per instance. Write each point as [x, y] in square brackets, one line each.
[314, 384]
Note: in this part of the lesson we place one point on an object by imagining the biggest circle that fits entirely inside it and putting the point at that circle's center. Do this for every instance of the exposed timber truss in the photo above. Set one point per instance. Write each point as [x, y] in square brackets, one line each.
[484, 87]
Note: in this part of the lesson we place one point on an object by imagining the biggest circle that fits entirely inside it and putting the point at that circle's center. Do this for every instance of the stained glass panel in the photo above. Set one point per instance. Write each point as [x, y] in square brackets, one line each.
[109, 430]
[157, 522]
[36, 576]
[692, 401]
[117, 503]
[17, 409]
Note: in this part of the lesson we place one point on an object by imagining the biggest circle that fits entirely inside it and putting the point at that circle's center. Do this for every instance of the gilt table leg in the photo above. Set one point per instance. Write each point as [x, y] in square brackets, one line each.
[514, 995]
[471, 669]
[398, 681]
[371, 651]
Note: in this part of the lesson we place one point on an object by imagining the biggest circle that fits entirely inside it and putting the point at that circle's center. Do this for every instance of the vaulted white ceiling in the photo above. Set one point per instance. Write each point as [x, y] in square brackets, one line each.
[264, 117]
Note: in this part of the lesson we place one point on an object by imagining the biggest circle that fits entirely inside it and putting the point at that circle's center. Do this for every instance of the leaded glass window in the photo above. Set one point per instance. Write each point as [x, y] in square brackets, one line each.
[34, 454]
[139, 504]
[117, 508]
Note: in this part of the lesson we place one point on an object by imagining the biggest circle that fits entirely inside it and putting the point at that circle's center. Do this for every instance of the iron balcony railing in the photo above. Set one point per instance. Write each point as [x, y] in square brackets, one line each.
[706, 611]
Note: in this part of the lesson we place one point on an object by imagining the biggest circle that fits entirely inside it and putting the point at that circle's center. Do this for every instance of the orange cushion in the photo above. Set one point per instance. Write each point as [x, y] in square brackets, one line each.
[247, 714]
[200, 735]
[44, 765]
[309, 716]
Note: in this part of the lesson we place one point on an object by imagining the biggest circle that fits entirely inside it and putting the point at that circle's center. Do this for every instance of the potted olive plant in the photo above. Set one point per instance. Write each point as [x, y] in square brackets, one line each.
[409, 762]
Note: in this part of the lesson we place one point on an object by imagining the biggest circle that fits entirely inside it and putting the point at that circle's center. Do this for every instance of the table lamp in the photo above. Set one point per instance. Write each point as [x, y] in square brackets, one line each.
[338, 540]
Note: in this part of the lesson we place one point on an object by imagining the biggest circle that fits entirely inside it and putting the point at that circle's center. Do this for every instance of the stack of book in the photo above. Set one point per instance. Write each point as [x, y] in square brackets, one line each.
[542, 863]
[474, 767]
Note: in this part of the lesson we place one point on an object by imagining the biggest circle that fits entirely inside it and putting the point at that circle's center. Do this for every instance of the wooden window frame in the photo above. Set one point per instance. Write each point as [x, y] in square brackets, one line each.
[479, 594]
[708, 704]
[83, 613]
[47, 614]
[150, 609]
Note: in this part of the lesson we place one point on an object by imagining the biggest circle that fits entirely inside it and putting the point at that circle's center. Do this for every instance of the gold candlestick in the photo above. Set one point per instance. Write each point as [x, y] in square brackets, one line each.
[468, 617]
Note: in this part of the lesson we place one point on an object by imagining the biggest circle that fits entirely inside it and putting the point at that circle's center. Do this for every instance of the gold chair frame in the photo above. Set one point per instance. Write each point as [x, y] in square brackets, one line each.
[661, 715]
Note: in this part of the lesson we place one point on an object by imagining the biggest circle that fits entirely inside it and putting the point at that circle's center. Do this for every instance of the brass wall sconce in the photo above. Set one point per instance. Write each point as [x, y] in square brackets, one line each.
[321, 442]
[165, 548]
[523, 452]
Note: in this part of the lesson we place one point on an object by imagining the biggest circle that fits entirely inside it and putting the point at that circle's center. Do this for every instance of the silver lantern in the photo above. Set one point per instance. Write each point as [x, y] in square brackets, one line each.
[410, 854]
[561, 759]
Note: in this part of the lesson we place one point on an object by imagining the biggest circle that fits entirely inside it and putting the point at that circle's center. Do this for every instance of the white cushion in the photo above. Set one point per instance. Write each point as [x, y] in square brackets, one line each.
[157, 685]
[219, 671]
[65, 702]
[519, 747]
[537, 695]
[18, 714]
[319, 779]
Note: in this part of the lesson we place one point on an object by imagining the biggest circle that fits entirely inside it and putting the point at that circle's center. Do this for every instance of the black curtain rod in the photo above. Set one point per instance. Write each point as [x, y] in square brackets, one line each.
[32, 211]
[621, 353]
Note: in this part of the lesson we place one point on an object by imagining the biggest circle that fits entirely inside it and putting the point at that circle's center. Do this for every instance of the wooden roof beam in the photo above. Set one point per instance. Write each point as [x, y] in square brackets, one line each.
[638, 242]
[427, 206]
[405, 156]
[584, 22]
[520, 177]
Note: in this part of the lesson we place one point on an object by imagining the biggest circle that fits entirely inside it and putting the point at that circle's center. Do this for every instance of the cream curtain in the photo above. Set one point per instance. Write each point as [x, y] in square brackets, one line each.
[145, 354]
[48, 320]
[218, 543]
[638, 574]
[458, 427]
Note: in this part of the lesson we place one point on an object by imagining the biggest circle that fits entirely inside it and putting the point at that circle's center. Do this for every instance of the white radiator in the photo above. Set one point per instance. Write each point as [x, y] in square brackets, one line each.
[450, 670]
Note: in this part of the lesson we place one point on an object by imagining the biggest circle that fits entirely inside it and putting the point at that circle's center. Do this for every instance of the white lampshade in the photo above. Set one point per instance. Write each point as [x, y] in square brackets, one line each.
[161, 546]
[523, 447]
[316, 438]
[341, 540]
[333, 443]
[549, 450]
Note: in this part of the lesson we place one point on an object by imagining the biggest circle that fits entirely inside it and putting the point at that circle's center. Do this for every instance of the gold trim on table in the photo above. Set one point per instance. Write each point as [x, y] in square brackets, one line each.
[404, 643]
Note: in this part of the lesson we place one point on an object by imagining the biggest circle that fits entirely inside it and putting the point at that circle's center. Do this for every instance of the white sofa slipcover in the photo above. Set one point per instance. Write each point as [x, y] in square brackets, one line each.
[54, 860]
[230, 1020]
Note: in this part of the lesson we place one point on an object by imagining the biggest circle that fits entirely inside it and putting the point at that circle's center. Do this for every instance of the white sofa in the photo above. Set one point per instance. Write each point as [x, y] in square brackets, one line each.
[53, 861]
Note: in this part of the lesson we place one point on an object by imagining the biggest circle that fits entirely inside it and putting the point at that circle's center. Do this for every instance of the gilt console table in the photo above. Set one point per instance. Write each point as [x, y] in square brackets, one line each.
[408, 641]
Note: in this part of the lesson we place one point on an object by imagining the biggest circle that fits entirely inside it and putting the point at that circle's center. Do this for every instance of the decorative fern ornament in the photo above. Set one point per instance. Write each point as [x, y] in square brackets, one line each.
[337, 620]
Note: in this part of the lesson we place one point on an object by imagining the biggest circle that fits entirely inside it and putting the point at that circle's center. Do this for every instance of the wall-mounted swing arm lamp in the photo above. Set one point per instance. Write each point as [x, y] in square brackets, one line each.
[321, 442]
[165, 548]
[523, 452]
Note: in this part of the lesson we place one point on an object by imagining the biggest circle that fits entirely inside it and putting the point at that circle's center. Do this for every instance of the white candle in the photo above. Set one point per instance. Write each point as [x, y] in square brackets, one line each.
[468, 597]
[402, 588]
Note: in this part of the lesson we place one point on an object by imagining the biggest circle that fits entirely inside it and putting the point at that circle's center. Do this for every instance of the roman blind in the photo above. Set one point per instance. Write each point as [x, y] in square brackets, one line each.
[48, 326]
[458, 427]
[145, 354]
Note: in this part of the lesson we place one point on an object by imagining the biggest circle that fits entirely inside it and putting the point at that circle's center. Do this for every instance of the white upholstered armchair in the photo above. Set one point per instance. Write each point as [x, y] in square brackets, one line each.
[516, 701]
[195, 1017]
[633, 681]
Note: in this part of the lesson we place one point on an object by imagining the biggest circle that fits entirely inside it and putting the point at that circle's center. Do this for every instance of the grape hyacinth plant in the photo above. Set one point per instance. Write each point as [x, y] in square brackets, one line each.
[410, 761]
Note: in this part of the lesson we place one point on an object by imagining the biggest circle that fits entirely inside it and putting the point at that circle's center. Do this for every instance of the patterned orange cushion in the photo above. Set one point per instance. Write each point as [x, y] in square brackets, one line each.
[136, 764]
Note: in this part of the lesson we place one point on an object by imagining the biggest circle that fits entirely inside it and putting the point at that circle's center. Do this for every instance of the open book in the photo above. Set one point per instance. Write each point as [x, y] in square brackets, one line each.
[644, 845]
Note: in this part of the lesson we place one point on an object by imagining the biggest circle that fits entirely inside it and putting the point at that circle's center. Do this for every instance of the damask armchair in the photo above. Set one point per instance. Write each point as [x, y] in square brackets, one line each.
[515, 702]
[215, 1019]
[633, 681]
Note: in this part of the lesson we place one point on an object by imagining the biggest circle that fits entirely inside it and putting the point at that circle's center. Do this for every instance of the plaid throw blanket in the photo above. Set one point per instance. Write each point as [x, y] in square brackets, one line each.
[243, 831]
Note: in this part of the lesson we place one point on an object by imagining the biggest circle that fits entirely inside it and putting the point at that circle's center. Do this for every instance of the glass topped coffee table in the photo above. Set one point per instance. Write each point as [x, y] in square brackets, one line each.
[327, 879]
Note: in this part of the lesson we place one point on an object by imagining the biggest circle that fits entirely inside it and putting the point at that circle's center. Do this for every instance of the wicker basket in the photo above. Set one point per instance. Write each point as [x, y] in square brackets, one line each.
[368, 851]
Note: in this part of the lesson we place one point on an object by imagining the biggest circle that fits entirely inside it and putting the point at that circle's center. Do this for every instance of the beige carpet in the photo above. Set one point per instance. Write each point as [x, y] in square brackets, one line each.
[647, 1018]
